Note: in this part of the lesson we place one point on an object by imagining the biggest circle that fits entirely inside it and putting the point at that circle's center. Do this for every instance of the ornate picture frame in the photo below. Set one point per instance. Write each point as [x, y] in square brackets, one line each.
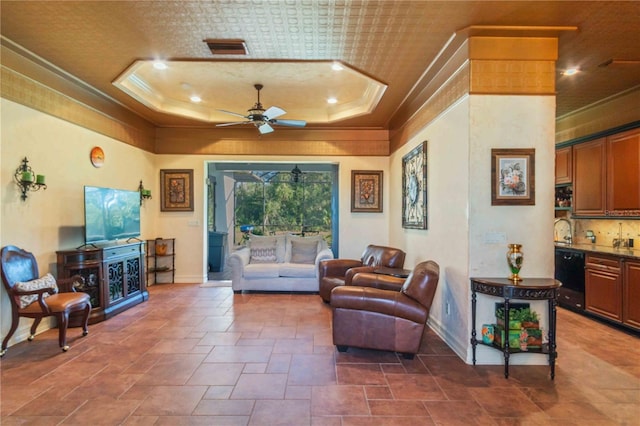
[176, 190]
[414, 188]
[366, 191]
[513, 177]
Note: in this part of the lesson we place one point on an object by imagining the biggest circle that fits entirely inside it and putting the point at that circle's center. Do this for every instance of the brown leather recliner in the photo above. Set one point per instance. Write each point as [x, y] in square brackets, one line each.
[338, 272]
[372, 318]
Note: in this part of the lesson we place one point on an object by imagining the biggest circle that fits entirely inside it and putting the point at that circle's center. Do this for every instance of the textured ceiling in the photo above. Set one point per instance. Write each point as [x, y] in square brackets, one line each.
[391, 41]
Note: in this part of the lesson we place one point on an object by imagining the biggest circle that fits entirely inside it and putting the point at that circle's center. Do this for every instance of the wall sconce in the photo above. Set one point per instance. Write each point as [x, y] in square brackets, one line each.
[27, 180]
[145, 194]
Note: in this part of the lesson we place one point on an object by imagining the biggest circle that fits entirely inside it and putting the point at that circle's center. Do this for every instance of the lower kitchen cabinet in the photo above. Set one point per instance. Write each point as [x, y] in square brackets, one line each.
[603, 286]
[631, 299]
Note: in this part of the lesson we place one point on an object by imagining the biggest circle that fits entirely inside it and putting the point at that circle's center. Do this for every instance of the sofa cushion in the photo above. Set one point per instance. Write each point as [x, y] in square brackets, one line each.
[46, 281]
[263, 255]
[276, 241]
[304, 251]
[262, 270]
[316, 239]
[297, 270]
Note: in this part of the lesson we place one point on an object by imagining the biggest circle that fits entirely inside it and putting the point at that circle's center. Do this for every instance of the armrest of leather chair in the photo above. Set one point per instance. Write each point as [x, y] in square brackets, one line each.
[351, 272]
[336, 267]
[325, 254]
[387, 302]
[381, 281]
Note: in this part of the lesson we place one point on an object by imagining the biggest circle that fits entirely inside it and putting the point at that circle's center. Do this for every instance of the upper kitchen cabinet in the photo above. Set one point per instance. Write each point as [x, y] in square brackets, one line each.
[606, 176]
[564, 165]
[623, 171]
[589, 178]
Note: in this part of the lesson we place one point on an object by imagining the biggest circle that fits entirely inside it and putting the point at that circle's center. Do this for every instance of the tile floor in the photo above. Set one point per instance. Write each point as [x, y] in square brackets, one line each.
[204, 356]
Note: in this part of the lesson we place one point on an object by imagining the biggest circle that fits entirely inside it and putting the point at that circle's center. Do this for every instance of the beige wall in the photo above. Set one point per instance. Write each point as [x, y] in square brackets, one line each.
[356, 229]
[53, 219]
[461, 218]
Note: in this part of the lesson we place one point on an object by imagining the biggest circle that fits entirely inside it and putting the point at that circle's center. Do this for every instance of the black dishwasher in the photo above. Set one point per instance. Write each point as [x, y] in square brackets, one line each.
[570, 272]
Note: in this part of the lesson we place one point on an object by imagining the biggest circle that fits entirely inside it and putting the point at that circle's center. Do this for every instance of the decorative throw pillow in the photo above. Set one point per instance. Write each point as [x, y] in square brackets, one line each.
[304, 251]
[317, 239]
[263, 241]
[263, 255]
[44, 282]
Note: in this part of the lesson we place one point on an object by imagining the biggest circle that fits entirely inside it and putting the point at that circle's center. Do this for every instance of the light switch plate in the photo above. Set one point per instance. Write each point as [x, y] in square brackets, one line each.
[495, 237]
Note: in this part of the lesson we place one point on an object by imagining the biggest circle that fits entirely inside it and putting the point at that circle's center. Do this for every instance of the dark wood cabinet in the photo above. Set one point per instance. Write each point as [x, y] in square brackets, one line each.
[564, 165]
[631, 294]
[114, 276]
[623, 171]
[589, 178]
[603, 286]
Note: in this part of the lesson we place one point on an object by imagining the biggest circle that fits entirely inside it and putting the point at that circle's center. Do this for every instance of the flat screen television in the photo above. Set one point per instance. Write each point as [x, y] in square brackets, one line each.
[110, 214]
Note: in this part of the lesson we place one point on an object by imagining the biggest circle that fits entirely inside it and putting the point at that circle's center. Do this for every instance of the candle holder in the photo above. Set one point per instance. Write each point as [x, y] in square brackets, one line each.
[27, 180]
[145, 194]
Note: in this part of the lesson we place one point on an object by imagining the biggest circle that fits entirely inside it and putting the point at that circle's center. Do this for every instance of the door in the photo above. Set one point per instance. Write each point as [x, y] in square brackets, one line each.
[563, 165]
[603, 293]
[631, 309]
[623, 171]
[589, 178]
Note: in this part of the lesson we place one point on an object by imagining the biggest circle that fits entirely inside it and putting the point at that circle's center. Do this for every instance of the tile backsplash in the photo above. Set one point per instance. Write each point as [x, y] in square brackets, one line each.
[605, 230]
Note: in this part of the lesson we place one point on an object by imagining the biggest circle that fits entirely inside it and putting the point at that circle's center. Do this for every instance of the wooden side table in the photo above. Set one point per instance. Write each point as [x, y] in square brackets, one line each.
[394, 272]
[527, 289]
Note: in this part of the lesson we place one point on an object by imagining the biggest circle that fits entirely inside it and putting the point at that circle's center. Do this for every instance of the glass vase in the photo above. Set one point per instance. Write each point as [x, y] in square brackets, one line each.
[514, 259]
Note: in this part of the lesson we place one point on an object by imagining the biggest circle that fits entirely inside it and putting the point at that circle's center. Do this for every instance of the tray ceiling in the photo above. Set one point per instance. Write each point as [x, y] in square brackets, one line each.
[391, 42]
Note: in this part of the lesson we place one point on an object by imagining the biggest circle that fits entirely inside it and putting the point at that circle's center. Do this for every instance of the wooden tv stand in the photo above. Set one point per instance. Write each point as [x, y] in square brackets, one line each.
[114, 276]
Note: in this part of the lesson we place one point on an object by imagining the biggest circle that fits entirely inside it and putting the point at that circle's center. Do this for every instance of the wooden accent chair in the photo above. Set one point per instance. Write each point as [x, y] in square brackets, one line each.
[389, 320]
[35, 297]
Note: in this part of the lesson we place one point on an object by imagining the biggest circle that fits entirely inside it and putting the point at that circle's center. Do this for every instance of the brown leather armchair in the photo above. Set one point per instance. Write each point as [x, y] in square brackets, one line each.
[338, 272]
[19, 266]
[372, 318]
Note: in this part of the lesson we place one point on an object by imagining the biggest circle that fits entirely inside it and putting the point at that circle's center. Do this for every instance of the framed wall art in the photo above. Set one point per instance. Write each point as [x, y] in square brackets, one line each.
[414, 188]
[513, 177]
[366, 191]
[176, 190]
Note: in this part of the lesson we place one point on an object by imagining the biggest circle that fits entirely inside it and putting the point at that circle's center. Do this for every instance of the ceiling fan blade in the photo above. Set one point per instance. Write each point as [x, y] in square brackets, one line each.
[265, 128]
[233, 123]
[232, 113]
[274, 112]
[292, 123]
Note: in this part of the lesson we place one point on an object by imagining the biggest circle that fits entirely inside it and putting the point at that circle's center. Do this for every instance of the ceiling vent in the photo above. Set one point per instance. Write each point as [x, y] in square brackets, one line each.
[227, 46]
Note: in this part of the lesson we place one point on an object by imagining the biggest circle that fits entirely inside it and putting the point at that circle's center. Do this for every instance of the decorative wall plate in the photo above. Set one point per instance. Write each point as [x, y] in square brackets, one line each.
[414, 188]
[97, 156]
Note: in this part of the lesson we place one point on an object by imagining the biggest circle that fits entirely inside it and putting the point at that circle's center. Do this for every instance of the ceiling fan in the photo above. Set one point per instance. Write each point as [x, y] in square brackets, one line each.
[261, 118]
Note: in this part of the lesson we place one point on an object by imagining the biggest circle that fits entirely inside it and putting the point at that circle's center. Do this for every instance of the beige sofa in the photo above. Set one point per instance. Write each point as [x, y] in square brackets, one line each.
[278, 263]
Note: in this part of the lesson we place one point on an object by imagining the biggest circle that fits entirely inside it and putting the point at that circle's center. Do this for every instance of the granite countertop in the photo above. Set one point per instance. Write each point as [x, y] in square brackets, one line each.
[628, 252]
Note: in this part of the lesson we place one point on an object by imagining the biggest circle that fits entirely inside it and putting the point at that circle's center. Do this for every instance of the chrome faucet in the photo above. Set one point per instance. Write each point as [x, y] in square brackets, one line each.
[568, 238]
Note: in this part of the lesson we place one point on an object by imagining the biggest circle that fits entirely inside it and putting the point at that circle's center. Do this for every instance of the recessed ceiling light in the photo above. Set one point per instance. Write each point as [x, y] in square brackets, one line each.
[195, 99]
[336, 67]
[159, 65]
[332, 101]
[571, 71]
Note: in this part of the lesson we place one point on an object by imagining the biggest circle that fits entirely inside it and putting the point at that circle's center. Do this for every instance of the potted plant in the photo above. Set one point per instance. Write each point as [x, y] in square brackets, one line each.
[529, 318]
[514, 318]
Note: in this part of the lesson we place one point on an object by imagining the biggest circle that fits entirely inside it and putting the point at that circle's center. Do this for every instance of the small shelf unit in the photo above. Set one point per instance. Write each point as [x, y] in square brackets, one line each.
[161, 261]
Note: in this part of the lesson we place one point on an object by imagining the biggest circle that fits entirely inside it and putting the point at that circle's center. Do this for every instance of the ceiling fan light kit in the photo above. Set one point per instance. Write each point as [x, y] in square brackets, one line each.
[261, 118]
